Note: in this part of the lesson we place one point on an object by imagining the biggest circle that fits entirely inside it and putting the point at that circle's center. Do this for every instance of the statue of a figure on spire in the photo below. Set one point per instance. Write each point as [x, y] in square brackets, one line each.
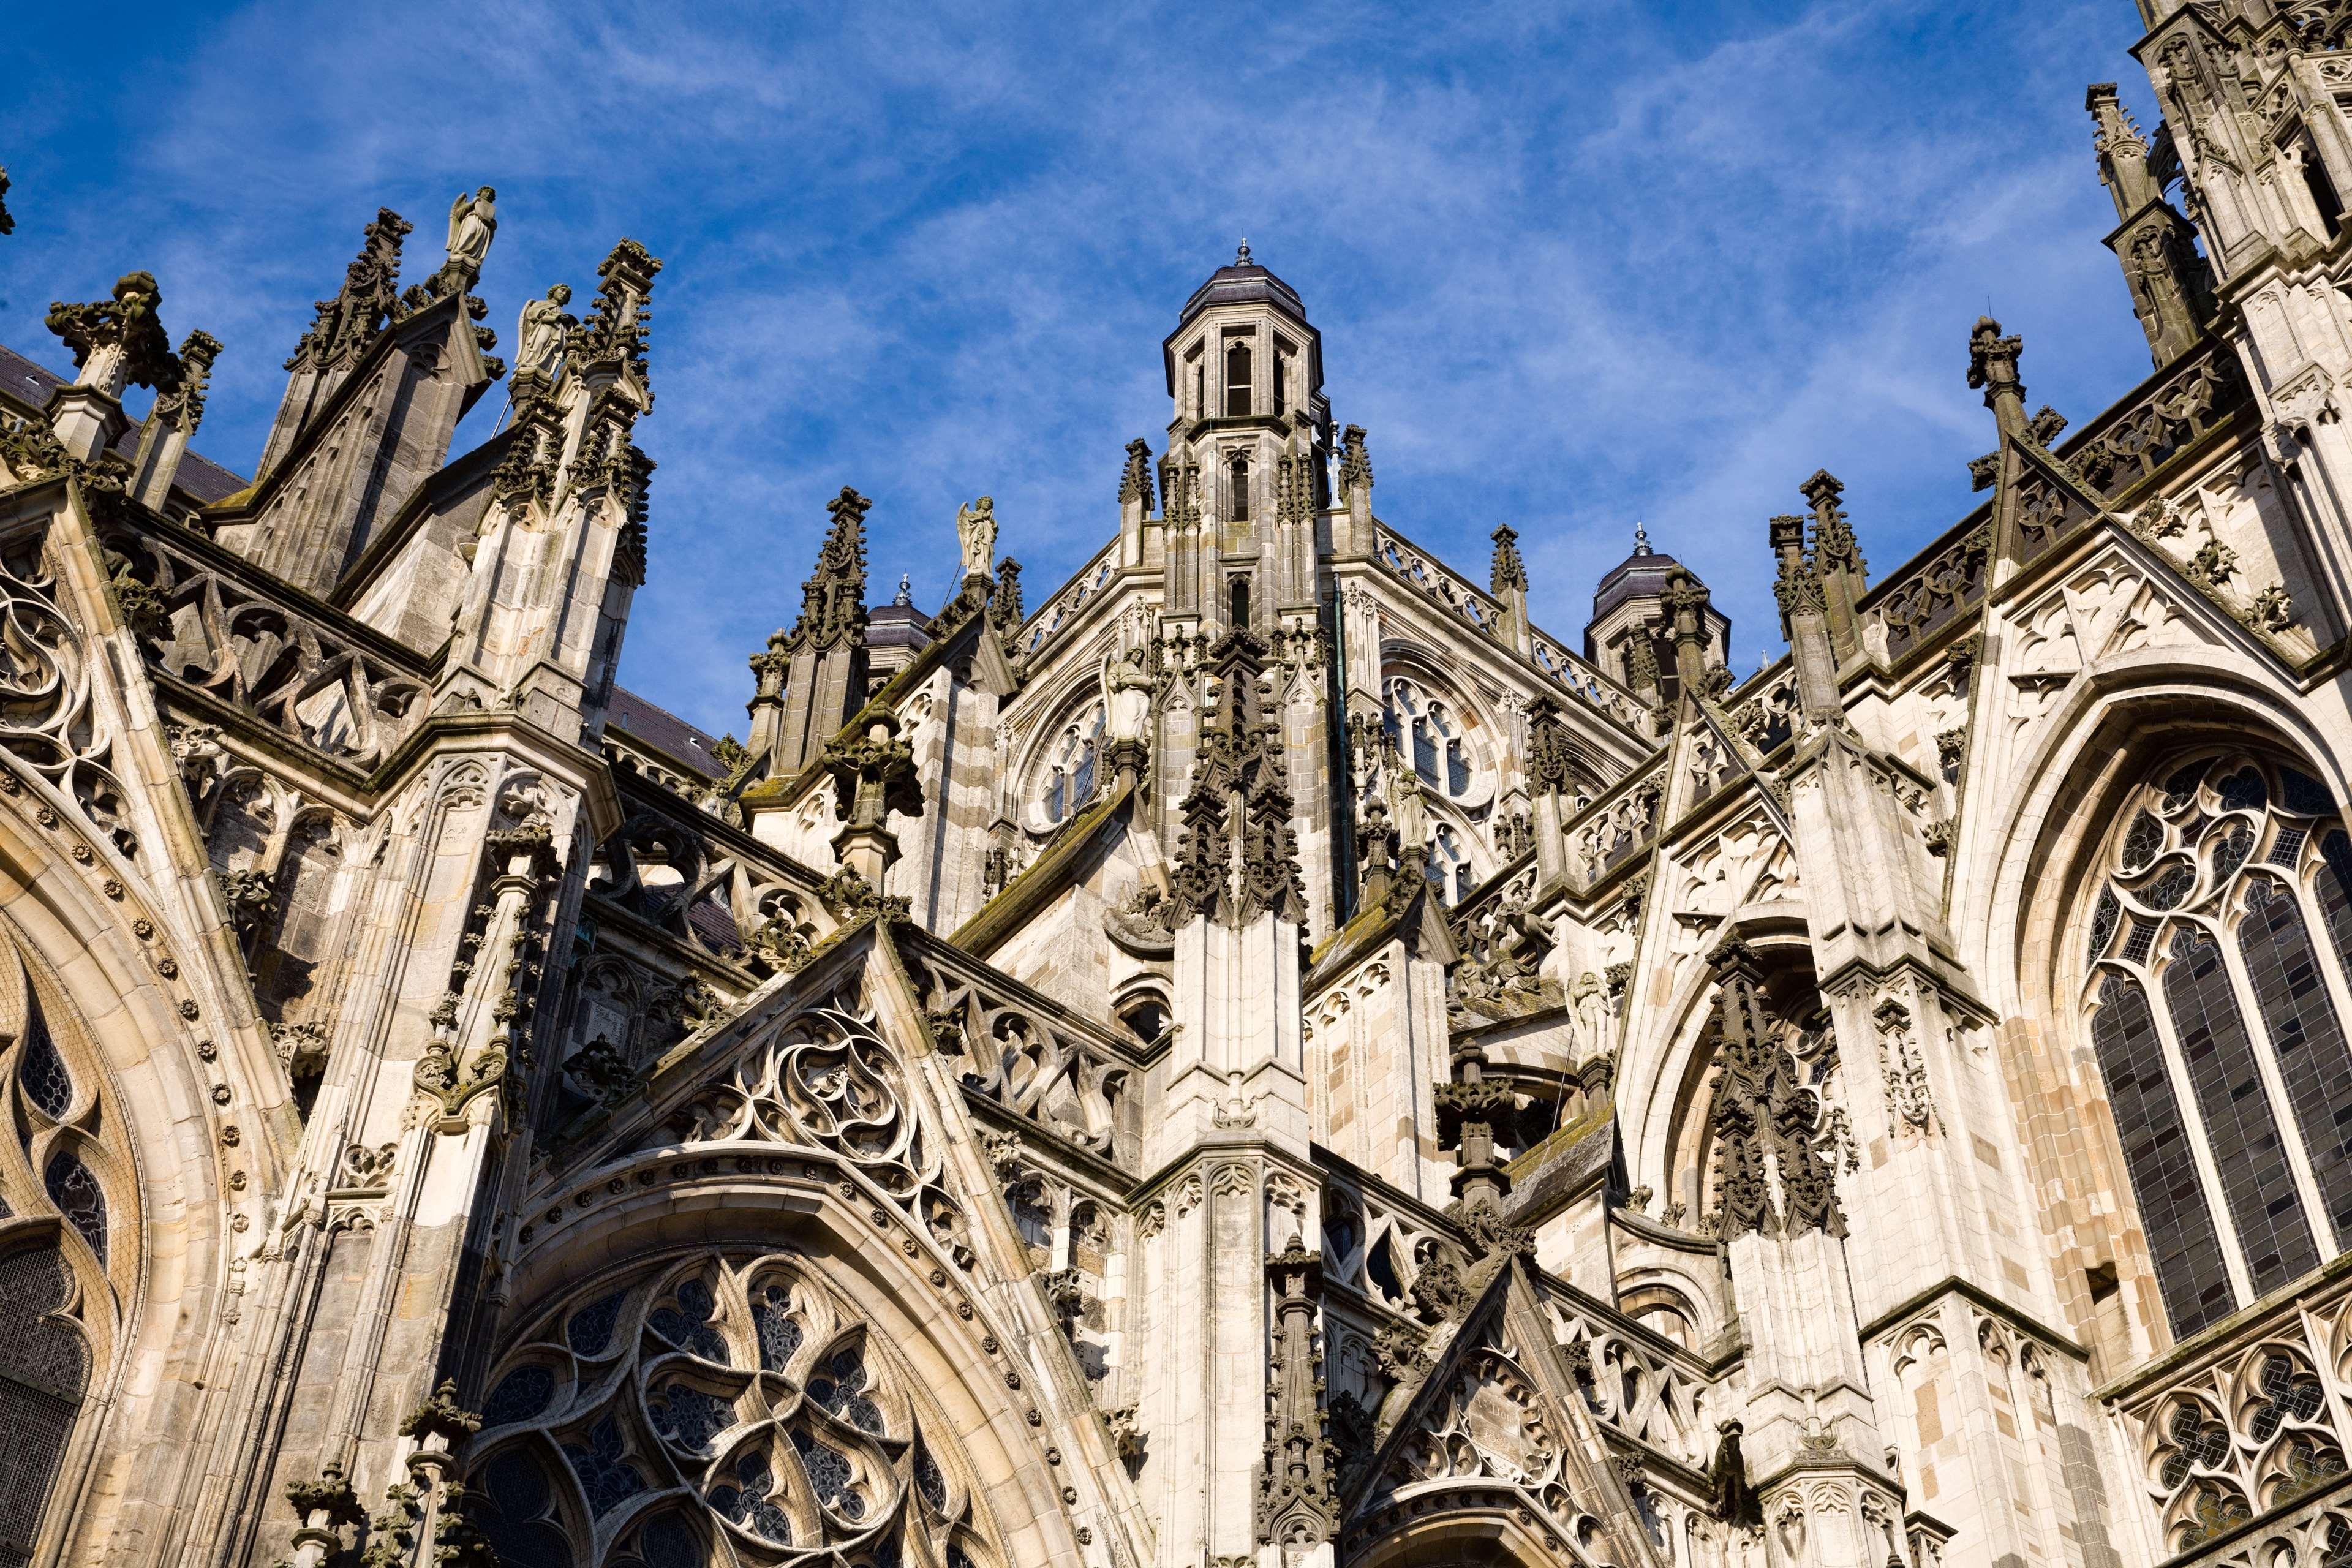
[976, 533]
[540, 332]
[473, 220]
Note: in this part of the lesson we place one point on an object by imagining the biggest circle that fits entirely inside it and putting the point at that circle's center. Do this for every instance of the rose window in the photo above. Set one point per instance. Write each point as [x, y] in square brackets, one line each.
[731, 1410]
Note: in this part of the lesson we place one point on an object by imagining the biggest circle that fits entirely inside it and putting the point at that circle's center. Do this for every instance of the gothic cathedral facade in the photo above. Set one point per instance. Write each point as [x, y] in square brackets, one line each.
[1270, 1059]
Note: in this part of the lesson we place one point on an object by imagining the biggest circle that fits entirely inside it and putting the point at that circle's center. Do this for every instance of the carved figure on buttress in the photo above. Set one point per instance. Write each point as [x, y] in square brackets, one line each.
[473, 219]
[539, 333]
[1126, 687]
[976, 533]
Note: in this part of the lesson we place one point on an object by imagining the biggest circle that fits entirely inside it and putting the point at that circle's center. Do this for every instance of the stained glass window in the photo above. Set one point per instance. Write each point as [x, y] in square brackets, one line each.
[2181, 1032]
[728, 1455]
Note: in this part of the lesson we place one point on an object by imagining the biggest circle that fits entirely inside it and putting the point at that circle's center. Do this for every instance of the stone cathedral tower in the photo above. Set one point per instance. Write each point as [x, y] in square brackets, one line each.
[1267, 1059]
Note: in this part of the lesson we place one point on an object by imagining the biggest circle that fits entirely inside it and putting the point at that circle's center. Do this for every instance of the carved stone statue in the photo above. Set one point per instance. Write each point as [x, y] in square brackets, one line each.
[538, 332]
[1126, 690]
[976, 532]
[473, 219]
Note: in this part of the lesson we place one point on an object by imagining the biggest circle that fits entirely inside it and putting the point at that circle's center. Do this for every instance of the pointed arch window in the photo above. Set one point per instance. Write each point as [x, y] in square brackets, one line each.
[1237, 378]
[49, 1325]
[1071, 771]
[44, 1372]
[2214, 1019]
[1427, 734]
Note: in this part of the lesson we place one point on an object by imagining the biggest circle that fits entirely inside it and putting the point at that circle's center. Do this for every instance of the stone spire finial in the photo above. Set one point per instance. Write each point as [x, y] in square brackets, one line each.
[345, 325]
[1507, 571]
[118, 341]
[1355, 461]
[1992, 368]
[615, 334]
[1837, 561]
[179, 409]
[2123, 151]
[832, 600]
[1135, 480]
[1799, 586]
[183, 402]
[1686, 603]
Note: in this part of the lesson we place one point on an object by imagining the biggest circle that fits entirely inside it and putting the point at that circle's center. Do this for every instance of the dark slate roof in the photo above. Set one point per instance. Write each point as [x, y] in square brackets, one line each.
[664, 732]
[21, 381]
[897, 623]
[1641, 575]
[1243, 283]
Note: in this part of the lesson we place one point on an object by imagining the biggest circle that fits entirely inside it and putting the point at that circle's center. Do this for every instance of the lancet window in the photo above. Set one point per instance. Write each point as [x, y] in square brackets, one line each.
[1071, 773]
[53, 1282]
[2216, 965]
[1426, 732]
[1237, 378]
[719, 1409]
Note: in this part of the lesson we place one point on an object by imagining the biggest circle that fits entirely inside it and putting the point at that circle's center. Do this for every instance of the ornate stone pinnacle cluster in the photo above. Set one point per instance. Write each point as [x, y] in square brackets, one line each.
[1239, 854]
[833, 599]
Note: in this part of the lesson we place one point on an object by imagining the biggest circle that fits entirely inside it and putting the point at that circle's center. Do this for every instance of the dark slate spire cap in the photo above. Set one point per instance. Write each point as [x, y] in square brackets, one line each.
[1243, 283]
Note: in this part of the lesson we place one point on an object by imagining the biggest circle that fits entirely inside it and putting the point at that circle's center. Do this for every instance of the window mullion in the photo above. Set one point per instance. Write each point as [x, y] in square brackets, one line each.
[2192, 1121]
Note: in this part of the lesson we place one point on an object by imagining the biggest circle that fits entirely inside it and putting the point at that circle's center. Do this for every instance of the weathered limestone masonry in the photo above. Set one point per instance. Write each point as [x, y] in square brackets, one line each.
[1271, 1058]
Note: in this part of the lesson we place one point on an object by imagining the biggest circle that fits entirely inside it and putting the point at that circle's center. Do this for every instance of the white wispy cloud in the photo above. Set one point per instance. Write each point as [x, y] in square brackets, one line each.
[1573, 264]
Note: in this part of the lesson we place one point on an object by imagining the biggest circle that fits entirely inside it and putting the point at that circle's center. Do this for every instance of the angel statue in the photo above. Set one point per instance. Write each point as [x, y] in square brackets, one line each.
[473, 219]
[976, 531]
[538, 335]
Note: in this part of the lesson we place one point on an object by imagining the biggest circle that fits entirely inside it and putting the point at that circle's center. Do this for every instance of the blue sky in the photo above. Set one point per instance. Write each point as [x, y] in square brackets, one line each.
[1574, 263]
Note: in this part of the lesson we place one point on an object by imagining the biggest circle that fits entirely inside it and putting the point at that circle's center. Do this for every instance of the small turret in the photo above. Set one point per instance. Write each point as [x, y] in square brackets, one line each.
[1629, 636]
[1246, 472]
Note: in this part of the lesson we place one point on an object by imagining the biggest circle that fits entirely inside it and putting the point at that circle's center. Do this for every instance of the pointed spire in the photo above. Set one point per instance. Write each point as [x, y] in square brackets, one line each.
[1507, 571]
[179, 409]
[1837, 559]
[2123, 151]
[1355, 461]
[1135, 480]
[2172, 284]
[184, 402]
[1237, 814]
[1005, 611]
[615, 334]
[1687, 600]
[1798, 587]
[344, 326]
[832, 600]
